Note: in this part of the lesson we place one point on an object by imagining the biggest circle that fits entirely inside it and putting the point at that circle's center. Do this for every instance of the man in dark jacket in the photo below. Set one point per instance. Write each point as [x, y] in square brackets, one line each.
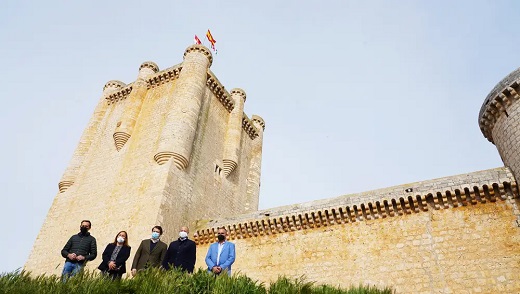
[79, 249]
[150, 253]
[181, 253]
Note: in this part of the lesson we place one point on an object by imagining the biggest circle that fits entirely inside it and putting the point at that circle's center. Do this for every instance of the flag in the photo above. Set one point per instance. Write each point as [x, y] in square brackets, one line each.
[197, 40]
[210, 39]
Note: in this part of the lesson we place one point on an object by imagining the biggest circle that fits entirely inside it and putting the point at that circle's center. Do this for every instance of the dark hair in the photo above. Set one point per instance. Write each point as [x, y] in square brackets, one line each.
[222, 228]
[126, 239]
[159, 228]
[87, 221]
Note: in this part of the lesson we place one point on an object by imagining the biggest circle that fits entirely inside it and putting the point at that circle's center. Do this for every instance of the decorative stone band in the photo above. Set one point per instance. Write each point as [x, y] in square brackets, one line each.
[120, 138]
[64, 185]
[229, 166]
[494, 184]
[180, 161]
[503, 95]
[119, 95]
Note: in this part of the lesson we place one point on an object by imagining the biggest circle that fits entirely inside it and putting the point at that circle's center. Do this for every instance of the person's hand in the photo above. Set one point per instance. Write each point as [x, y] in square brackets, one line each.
[71, 256]
[80, 257]
[112, 265]
[134, 271]
[215, 269]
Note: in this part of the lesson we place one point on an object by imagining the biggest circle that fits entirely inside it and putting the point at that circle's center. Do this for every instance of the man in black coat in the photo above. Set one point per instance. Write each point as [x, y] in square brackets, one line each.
[79, 249]
[181, 253]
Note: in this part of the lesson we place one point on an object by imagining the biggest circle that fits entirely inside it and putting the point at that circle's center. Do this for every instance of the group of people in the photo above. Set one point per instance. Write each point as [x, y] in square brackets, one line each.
[181, 253]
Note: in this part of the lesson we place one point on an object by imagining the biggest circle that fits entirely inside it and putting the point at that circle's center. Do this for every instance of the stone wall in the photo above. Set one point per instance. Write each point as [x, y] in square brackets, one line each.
[115, 181]
[465, 238]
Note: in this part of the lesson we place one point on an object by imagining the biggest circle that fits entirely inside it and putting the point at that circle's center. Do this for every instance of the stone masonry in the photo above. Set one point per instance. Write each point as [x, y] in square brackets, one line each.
[152, 154]
[175, 148]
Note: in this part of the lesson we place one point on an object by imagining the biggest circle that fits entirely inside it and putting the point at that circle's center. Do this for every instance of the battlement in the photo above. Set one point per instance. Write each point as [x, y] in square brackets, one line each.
[443, 193]
[503, 95]
[200, 49]
[150, 65]
[239, 92]
[167, 75]
[113, 85]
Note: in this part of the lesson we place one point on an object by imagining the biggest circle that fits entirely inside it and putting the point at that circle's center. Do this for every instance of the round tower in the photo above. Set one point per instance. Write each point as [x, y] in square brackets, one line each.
[126, 124]
[499, 120]
[234, 132]
[178, 134]
[69, 176]
[253, 179]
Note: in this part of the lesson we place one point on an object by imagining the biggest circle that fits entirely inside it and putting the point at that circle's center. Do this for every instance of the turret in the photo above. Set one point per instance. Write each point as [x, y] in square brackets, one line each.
[234, 132]
[255, 167]
[70, 174]
[178, 134]
[499, 120]
[126, 124]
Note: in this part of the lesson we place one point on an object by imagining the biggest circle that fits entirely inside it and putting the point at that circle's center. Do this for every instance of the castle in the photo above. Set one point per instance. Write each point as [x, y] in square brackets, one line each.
[175, 147]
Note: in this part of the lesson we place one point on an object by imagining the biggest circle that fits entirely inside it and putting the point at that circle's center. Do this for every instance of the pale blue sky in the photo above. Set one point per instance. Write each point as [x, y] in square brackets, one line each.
[356, 95]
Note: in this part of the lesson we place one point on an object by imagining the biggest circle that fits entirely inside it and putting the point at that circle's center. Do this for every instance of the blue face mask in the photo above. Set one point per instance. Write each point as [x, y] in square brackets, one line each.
[155, 235]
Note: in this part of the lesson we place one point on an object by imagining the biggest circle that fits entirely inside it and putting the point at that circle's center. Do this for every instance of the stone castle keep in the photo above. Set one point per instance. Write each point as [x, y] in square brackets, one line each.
[175, 147]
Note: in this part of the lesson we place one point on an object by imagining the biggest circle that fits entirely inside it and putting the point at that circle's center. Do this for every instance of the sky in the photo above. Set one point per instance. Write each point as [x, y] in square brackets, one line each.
[356, 95]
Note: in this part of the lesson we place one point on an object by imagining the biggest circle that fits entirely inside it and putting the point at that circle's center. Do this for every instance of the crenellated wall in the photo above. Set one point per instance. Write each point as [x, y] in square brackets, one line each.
[151, 155]
[455, 234]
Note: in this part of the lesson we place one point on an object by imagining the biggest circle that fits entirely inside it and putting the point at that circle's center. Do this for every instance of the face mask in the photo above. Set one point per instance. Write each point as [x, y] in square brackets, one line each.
[221, 238]
[183, 235]
[155, 235]
[83, 230]
[120, 239]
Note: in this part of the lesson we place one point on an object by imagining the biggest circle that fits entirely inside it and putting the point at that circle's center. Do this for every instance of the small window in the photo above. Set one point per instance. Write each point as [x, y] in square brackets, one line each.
[218, 169]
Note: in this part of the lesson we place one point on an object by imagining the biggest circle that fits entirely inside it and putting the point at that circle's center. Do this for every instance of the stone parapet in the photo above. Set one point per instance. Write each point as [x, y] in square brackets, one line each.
[199, 49]
[164, 76]
[498, 101]
[443, 193]
[219, 91]
[172, 73]
[119, 95]
[149, 65]
[113, 85]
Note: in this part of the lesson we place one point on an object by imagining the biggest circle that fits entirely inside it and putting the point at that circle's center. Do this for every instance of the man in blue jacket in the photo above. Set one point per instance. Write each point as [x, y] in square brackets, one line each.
[221, 254]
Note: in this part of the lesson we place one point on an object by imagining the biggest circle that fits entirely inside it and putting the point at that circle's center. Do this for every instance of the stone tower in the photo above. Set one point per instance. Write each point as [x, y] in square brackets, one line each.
[499, 120]
[171, 148]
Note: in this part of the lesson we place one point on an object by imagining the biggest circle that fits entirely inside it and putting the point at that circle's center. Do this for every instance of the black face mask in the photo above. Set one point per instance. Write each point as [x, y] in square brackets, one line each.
[83, 230]
[221, 238]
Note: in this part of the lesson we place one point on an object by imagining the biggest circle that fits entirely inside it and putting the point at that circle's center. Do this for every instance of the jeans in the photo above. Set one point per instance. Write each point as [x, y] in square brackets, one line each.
[70, 269]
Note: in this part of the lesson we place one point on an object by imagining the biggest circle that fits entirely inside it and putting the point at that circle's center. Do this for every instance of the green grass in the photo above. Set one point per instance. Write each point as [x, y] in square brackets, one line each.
[155, 281]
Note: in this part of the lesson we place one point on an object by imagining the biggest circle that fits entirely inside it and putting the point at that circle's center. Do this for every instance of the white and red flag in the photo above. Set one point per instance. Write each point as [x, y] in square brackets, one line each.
[197, 40]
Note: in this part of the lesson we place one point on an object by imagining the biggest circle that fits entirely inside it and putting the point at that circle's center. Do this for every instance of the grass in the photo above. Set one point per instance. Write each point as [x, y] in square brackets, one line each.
[155, 281]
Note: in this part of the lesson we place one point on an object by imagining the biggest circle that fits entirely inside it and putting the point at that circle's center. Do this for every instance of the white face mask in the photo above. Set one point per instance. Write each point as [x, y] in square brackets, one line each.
[183, 235]
[120, 239]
